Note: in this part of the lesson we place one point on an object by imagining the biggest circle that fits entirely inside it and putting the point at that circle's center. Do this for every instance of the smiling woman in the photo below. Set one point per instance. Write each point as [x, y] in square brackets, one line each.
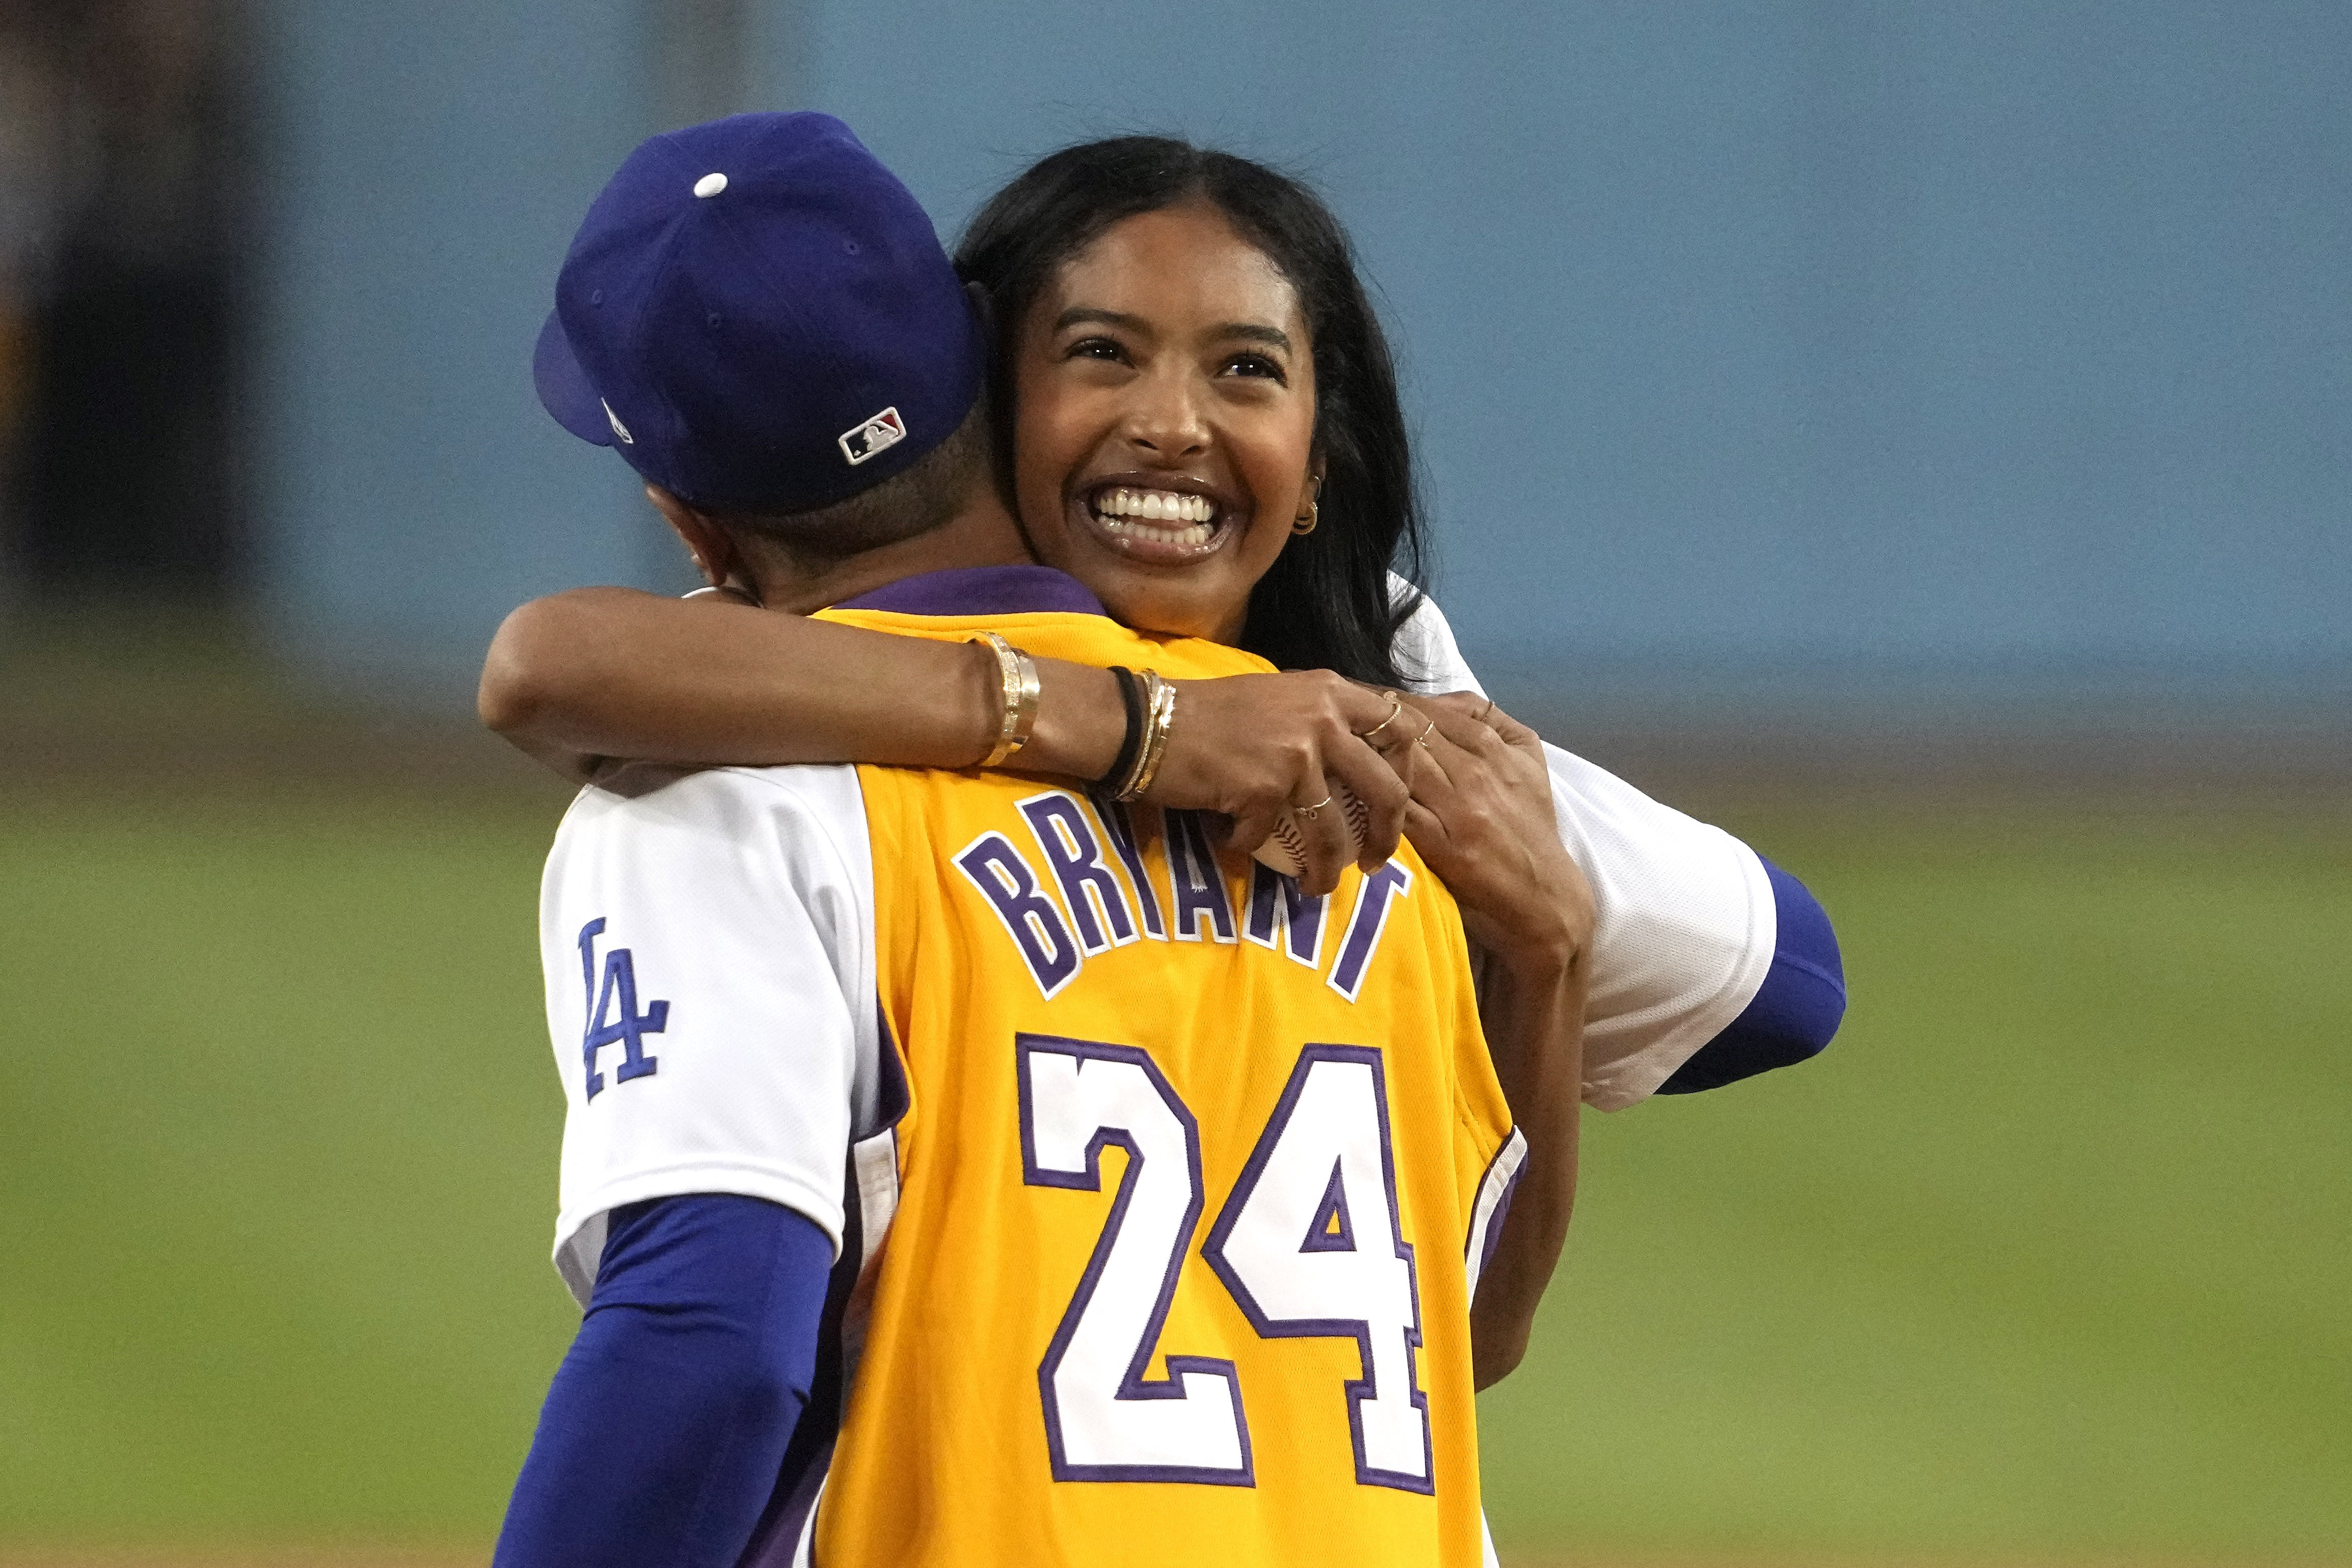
[1164, 425]
[1228, 297]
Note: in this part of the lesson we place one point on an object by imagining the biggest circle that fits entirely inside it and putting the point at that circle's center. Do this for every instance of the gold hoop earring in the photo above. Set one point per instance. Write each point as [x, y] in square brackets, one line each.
[1304, 525]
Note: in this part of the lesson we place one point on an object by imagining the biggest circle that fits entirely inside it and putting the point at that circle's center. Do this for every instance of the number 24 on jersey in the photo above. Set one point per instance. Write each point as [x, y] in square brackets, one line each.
[1310, 1242]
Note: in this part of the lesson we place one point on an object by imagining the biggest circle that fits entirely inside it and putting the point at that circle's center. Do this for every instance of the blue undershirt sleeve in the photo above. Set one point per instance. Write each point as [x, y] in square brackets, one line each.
[1794, 1012]
[663, 1434]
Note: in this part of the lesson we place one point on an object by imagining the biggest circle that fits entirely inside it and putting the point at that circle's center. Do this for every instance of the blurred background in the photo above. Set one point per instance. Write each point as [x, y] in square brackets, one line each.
[1914, 436]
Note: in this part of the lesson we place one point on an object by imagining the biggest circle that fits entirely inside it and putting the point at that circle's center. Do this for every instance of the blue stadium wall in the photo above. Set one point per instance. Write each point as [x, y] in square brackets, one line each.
[1758, 348]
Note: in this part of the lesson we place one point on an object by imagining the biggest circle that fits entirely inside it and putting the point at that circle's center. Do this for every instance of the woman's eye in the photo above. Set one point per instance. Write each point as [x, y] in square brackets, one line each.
[1095, 348]
[1255, 366]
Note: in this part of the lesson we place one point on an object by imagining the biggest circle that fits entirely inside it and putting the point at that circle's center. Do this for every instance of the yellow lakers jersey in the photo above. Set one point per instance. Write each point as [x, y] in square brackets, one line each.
[1186, 1189]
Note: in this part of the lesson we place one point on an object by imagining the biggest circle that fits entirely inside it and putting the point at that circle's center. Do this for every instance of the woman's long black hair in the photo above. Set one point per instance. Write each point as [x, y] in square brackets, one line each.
[1326, 604]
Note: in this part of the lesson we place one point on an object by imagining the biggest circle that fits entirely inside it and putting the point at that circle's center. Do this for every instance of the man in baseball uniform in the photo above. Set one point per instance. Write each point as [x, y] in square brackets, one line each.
[960, 1169]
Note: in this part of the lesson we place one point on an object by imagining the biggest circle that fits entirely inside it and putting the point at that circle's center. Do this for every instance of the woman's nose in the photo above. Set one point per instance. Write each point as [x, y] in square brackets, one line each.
[1166, 420]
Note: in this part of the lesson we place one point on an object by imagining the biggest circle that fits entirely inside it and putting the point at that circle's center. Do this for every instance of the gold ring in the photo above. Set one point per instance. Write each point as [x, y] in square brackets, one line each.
[1396, 706]
[1421, 740]
[1308, 811]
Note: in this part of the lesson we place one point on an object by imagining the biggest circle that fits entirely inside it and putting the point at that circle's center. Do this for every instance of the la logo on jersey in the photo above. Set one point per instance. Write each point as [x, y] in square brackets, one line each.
[876, 435]
[612, 1016]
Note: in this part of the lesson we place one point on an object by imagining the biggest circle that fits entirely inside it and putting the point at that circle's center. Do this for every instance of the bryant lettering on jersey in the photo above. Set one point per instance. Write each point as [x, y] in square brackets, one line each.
[1104, 914]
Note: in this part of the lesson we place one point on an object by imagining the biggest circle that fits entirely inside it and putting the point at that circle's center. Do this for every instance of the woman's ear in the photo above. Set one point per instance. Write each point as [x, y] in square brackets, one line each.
[713, 549]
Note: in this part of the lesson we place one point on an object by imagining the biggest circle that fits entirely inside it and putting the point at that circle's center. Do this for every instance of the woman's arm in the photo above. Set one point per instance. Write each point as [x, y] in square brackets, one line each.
[598, 673]
[1534, 1019]
[604, 673]
[1482, 819]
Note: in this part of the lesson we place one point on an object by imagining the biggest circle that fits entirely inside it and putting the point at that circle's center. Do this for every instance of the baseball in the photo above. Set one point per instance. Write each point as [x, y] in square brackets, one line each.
[1285, 849]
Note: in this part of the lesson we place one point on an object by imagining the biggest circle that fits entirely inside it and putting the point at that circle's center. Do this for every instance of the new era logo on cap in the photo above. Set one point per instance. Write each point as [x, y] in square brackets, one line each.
[876, 435]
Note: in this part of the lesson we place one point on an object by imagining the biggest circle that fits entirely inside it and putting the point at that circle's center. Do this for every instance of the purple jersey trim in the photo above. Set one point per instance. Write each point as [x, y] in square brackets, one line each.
[792, 1506]
[895, 1098]
[1512, 1144]
[982, 590]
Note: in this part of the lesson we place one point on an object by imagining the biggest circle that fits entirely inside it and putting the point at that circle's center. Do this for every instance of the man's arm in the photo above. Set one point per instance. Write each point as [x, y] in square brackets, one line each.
[663, 1434]
[703, 937]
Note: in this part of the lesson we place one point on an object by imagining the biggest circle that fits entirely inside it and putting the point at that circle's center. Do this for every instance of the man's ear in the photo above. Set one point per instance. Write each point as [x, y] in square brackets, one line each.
[713, 547]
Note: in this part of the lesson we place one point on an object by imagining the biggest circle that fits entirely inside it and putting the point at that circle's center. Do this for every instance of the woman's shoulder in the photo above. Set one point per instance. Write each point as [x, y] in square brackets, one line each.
[1426, 654]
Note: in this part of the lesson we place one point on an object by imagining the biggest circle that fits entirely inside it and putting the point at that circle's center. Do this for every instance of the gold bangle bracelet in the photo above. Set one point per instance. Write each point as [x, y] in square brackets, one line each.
[1155, 744]
[1155, 740]
[1127, 787]
[1017, 674]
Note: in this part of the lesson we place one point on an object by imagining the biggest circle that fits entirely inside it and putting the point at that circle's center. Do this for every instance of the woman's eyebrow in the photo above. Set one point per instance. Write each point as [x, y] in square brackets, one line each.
[1078, 313]
[1252, 332]
[1248, 331]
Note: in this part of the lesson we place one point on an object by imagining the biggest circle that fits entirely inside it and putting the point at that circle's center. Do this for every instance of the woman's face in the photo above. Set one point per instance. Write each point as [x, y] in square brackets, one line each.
[1164, 420]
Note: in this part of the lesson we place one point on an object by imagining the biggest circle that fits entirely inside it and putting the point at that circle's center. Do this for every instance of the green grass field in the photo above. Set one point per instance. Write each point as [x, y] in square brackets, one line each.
[2048, 1256]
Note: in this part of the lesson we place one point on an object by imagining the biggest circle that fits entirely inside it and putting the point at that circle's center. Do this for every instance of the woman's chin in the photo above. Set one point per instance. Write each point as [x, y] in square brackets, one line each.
[1165, 603]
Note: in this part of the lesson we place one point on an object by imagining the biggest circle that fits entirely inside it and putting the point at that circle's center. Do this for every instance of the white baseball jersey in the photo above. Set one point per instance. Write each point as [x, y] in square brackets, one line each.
[1683, 923]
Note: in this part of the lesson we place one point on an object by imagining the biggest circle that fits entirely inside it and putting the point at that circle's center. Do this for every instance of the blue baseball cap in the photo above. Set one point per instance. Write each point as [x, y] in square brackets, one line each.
[757, 315]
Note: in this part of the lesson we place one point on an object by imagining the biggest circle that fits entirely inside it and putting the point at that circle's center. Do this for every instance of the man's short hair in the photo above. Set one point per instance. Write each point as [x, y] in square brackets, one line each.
[901, 507]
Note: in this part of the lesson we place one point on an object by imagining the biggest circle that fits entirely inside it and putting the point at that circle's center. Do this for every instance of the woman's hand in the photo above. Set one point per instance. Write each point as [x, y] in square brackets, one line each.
[1252, 746]
[1481, 816]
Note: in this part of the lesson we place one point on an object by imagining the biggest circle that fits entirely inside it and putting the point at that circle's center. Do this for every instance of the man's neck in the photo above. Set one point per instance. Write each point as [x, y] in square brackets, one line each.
[982, 533]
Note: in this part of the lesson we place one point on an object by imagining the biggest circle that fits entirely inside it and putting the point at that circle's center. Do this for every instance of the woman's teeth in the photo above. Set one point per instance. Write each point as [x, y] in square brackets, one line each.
[1165, 515]
[1121, 528]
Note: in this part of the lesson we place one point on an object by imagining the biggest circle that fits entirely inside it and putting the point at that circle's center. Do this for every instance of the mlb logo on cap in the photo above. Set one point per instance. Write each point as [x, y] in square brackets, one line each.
[879, 434]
